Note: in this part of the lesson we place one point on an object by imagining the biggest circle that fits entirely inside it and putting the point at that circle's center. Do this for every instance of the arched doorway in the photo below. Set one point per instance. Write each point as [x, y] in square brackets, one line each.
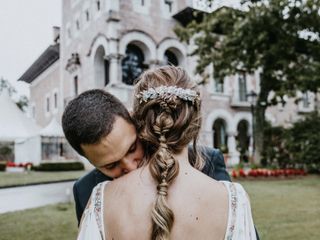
[243, 140]
[101, 68]
[220, 135]
[132, 64]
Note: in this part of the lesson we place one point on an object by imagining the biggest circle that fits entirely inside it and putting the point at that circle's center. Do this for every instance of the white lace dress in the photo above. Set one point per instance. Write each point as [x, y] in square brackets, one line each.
[240, 223]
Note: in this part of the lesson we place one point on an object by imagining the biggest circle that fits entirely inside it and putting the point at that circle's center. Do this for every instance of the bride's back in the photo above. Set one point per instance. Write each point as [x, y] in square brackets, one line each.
[168, 198]
[199, 204]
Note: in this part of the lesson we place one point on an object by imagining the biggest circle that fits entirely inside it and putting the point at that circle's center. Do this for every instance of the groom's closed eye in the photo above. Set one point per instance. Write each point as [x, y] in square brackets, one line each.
[133, 147]
[112, 165]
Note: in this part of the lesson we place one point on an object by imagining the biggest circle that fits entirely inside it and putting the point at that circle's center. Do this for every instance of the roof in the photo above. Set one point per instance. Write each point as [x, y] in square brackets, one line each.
[14, 124]
[46, 59]
[196, 10]
[186, 15]
[53, 129]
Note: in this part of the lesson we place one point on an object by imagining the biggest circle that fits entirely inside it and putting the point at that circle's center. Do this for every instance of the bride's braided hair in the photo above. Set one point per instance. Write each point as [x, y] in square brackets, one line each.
[165, 127]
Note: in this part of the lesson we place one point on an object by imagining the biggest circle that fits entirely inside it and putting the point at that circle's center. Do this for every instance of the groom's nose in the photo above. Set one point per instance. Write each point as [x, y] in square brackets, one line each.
[128, 165]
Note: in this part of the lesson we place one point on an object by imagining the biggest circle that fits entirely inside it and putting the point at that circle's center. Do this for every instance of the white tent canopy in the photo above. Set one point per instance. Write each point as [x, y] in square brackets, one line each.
[44, 145]
[14, 124]
[53, 129]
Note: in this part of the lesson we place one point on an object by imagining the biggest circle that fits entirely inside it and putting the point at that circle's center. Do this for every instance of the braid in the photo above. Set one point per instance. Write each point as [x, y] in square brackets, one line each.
[164, 168]
[168, 117]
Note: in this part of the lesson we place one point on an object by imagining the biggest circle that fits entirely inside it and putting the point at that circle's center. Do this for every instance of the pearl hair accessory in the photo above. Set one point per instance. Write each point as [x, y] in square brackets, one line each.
[167, 92]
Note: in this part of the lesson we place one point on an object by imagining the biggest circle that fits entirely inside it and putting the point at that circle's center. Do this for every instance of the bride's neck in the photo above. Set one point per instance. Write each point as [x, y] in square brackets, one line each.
[182, 158]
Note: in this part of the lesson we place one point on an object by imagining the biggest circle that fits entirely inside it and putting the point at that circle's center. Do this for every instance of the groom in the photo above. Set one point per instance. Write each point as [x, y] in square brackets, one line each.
[99, 127]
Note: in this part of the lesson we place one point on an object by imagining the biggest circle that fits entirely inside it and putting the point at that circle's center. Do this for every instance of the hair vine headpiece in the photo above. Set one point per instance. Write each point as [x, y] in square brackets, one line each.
[167, 92]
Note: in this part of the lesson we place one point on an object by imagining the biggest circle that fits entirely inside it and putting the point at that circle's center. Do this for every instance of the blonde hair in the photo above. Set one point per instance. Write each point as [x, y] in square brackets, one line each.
[165, 127]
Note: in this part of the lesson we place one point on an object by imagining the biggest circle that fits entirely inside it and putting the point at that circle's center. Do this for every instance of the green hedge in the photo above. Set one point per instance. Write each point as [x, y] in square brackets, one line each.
[59, 166]
[3, 166]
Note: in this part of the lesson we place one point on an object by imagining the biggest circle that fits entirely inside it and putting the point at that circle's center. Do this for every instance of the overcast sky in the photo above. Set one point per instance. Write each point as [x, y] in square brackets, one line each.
[25, 32]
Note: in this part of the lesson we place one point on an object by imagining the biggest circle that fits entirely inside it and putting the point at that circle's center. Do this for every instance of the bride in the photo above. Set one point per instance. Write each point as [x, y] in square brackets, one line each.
[168, 197]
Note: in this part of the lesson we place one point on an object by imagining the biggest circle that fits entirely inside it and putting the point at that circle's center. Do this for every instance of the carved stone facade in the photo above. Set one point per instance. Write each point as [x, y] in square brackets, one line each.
[104, 44]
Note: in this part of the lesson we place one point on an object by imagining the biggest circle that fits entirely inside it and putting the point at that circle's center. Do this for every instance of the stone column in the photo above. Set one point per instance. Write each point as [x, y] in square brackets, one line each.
[113, 25]
[116, 87]
[251, 146]
[113, 68]
[232, 149]
[120, 58]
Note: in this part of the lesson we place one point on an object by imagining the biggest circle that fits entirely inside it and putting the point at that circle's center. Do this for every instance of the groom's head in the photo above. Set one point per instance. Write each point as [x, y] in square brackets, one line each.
[99, 127]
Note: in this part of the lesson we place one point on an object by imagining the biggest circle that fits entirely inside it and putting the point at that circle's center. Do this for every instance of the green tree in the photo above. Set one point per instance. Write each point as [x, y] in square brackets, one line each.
[302, 142]
[5, 84]
[275, 152]
[22, 102]
[277, 38]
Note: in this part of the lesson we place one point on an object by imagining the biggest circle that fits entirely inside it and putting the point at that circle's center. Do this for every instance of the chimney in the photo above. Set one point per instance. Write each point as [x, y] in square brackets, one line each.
[56, 34]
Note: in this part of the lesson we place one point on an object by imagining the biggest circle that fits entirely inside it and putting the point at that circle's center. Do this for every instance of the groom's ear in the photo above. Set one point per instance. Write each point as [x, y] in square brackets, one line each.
[130, 112]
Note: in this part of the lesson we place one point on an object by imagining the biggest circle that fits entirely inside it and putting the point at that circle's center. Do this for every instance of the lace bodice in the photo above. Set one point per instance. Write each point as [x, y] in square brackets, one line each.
[92, 226]
[240, 222]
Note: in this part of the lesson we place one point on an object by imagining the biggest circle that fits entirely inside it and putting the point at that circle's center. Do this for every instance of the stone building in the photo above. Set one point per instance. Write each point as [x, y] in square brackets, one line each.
[108, 43]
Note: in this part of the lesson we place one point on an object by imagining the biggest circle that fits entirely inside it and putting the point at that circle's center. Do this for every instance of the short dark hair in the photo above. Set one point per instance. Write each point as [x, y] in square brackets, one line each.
[90, 116]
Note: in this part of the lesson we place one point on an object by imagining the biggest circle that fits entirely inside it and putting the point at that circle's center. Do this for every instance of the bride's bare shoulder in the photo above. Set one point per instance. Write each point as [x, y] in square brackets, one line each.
[209, 186]
[124, 185]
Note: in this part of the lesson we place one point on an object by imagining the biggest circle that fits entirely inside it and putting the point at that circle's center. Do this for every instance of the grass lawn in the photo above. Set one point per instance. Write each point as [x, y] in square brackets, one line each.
[282, 209]
[11, 179]
[46, 223]
[286, 209]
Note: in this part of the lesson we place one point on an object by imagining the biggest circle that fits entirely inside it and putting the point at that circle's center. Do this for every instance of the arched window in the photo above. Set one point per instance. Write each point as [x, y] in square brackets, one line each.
[101, 67]
[243, 140]
[242, 87]
[98, 5]
[219, 135]
[132, 64]
[170, 58]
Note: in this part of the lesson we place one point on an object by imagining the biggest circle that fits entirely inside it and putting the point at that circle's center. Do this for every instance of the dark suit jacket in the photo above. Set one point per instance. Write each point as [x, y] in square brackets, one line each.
[214, 167]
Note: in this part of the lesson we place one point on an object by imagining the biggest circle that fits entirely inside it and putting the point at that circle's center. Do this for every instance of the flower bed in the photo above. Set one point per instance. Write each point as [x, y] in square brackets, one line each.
[18, 167]
[262, 172]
